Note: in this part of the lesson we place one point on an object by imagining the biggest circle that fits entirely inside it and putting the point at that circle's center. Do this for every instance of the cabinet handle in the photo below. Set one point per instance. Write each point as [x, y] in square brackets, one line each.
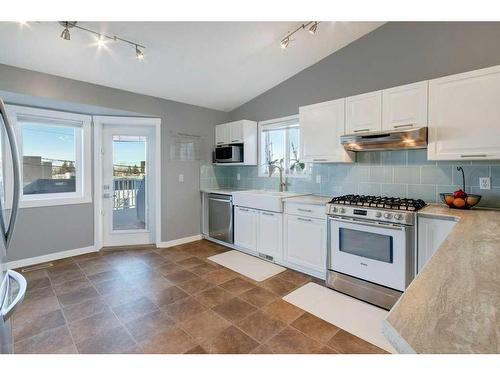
[402, 126]
[267, 213]
[320, 159]
[243, 209]
[235, 140]
[302, 219]
[220, 143]
[473, 156]
[361, 130]
[304, 210]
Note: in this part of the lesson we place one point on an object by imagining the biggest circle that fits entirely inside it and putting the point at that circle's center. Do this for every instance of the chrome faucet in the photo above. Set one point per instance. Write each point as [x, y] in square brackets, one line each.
[283, 181]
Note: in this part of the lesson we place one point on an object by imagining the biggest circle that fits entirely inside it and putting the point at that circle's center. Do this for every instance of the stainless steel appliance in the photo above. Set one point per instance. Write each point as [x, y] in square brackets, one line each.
[12, 284]
[371, 247]
[220, 217]
[404, 137]
[229, 153]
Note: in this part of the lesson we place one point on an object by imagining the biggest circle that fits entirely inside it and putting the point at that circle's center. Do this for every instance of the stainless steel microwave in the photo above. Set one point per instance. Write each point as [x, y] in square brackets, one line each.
[229, 154]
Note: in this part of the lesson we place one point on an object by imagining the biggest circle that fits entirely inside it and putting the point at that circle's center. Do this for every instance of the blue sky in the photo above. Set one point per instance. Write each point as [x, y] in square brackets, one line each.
[57, 142]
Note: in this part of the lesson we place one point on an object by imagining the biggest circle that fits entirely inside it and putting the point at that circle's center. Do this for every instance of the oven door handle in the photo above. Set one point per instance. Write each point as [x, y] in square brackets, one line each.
[369, 223]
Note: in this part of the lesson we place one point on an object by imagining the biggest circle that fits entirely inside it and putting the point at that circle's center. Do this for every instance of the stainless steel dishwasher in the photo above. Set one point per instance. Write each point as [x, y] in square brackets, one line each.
[220, 217]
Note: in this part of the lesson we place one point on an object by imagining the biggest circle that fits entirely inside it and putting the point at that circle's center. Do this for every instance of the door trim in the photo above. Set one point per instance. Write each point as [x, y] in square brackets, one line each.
[99, 122]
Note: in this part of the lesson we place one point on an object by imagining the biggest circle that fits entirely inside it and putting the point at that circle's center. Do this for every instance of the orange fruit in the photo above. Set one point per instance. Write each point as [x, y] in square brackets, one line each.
[459, 202]
[471, 201]
[449, 199]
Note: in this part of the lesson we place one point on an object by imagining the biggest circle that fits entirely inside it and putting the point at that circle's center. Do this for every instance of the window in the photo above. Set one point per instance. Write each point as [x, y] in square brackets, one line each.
[280, 146]
[55, 153]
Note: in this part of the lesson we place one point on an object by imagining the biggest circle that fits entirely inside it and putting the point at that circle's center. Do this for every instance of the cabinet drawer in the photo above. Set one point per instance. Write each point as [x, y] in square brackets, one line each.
[308, 210]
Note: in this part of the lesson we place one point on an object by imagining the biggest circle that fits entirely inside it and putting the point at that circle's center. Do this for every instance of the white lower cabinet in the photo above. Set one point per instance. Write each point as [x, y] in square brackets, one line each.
[245, 228]
[431, 234]
[270, 235]
[305, 244]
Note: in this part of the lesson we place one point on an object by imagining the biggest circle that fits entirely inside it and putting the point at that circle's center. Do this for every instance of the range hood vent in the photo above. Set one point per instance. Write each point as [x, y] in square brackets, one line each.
[386, 140]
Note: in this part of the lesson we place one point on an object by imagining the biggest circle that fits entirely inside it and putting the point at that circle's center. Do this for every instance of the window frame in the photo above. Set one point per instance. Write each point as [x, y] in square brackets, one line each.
[278, 123]
[83, 153]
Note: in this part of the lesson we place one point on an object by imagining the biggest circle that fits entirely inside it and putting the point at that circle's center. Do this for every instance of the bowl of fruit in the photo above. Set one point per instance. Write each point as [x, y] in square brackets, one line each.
[460, 199]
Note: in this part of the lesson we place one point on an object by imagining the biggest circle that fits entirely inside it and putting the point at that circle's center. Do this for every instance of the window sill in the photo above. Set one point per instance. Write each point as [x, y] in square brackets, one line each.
[47, 202]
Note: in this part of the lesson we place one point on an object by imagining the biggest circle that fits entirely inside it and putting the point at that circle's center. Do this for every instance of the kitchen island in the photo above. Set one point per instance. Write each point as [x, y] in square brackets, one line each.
[453, 304]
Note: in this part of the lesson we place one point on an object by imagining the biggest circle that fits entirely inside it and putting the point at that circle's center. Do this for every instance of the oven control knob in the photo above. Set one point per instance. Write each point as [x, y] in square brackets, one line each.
[335, 209]
[378, 214]
[342, 210]
[398, 216]
[387, 215]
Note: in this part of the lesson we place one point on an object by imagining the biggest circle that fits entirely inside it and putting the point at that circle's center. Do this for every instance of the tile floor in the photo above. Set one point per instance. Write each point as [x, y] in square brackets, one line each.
[174, 300]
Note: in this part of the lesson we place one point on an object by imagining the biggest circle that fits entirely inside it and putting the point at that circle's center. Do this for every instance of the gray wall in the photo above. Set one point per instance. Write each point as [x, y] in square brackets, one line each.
[394, 54]
[51, 229]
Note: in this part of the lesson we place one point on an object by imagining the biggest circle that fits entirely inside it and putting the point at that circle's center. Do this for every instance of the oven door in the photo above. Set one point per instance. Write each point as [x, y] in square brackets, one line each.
[371, 251]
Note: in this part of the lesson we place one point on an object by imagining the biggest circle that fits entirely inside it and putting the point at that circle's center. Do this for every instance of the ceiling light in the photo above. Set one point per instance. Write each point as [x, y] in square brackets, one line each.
[66, 35]
[23, 23]
[313, 28]
[101, 42]
[284, 43]
[138, 53]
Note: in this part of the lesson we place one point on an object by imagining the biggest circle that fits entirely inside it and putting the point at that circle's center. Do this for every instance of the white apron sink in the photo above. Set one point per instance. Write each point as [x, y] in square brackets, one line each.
[262, 199]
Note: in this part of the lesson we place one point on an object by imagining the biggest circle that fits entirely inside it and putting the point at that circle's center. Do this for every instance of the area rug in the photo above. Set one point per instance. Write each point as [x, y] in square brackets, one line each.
[356, 317]
[249, 266]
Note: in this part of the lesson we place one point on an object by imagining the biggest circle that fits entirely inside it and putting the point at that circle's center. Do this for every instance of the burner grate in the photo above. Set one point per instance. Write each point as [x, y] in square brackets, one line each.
[404, 204]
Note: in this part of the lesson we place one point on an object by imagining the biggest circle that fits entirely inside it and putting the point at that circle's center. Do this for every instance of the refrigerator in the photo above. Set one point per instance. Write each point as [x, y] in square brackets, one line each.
[12, 284]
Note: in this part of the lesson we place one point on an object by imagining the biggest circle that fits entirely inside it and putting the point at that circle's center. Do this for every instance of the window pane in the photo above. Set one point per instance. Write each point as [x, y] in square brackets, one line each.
[129, 182]
[49, 158]
[273, 148]
[295, 165]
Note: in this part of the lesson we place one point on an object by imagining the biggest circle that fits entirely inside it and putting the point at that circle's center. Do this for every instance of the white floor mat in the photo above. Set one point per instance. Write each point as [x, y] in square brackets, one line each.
[354, 316]
[249, 266]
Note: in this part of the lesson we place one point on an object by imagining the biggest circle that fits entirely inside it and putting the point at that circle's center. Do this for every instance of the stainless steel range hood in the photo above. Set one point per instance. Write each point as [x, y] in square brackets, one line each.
[386, 140]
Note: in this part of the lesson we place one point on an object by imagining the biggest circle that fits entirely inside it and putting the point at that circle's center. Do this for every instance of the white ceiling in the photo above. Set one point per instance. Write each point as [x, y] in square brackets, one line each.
[218, 65]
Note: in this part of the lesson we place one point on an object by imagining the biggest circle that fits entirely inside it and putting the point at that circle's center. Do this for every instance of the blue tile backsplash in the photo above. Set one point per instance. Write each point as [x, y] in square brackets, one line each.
[389, 173]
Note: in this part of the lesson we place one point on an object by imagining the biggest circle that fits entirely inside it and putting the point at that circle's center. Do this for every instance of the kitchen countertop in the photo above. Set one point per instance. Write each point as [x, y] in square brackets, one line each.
[225, 191]
[453, 305]
[310, 199]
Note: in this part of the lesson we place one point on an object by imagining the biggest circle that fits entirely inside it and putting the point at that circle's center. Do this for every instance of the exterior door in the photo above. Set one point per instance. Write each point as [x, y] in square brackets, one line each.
[128, 185]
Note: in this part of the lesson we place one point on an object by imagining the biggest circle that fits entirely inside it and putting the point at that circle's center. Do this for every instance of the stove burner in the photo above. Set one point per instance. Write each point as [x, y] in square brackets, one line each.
[405, 204]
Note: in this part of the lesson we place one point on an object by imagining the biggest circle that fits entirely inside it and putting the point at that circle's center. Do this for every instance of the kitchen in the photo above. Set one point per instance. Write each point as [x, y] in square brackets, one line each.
[349, 205]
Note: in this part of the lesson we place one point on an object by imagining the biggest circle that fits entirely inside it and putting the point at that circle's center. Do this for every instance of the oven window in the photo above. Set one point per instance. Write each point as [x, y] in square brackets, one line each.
[365, 244]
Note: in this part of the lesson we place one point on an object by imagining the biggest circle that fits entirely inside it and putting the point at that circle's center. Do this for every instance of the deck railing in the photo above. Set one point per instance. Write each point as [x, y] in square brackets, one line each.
[125, 192]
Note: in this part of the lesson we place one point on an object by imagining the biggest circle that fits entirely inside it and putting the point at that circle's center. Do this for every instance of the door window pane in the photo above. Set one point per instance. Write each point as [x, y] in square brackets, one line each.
[366, 244]
[129, 182]
[49, 158]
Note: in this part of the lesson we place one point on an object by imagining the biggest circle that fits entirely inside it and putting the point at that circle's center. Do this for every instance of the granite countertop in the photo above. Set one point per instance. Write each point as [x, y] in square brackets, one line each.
[453, 305]
[310, 199]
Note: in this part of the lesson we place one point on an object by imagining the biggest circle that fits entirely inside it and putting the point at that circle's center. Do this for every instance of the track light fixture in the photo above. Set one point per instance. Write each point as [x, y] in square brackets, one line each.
[101, 38]
[312, 27]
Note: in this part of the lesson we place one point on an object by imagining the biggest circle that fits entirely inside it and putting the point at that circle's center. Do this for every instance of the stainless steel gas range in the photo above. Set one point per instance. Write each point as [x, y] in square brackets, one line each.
[371, 247]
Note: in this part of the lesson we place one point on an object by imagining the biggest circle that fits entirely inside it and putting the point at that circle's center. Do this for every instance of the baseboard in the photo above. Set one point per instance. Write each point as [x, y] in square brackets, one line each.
[49, 257]
[179, 241]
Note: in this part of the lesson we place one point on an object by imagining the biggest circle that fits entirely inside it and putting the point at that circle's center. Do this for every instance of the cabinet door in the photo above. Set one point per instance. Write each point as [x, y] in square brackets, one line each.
[269, 234]
[364, 113]
[236, 132]
[305, 243]
[222, 134]
[405, 106]
[431, 234]
[321, 126]
[245, 228]
[464, 116]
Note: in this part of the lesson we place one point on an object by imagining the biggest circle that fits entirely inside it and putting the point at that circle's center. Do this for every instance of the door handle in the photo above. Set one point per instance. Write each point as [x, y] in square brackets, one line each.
[6, 311]
[7, 230]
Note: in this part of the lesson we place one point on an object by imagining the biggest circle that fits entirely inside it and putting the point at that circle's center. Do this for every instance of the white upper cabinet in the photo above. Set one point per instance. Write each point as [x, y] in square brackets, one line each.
[464, 116]
[404, 107]
[364, 113]
[321, 126]
[236, 132]
[222, 134]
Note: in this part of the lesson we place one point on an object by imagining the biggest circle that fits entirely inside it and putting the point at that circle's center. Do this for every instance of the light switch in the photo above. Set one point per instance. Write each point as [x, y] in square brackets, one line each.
[485, 183]
[181, 178]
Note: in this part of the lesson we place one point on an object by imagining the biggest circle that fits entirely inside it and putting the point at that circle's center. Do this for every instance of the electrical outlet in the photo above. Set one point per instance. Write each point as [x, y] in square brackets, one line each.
[318, 179]
[181, 178]
[485, 183]
[238, 176]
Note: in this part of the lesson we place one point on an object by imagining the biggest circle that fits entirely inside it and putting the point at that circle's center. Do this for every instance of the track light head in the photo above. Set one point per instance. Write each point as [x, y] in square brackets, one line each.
[138, 53]
[313, 28]
[284, 43]
[66, 35]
